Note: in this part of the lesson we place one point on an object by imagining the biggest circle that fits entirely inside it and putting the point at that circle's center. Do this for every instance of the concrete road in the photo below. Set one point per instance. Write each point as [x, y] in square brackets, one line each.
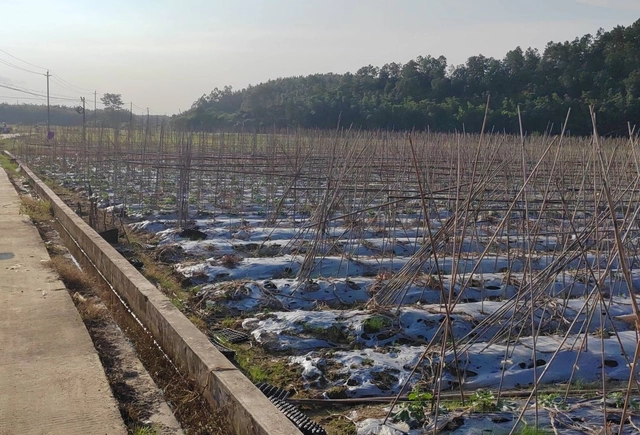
[51, 380]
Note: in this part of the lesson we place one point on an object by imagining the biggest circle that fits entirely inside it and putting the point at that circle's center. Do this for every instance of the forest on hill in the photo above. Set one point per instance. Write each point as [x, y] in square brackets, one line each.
[427, 93]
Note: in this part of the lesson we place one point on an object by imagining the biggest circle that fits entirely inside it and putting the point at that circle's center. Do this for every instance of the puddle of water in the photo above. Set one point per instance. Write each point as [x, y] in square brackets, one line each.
[6, 255]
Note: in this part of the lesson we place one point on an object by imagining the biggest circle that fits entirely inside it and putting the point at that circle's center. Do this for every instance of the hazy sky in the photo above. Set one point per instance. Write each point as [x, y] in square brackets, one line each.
[164, 54]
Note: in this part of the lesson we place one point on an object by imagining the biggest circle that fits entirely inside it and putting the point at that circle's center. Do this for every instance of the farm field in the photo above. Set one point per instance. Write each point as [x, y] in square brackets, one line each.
[488, 280]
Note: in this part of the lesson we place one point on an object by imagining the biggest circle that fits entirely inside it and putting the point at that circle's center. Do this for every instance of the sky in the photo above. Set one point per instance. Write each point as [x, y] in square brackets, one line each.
[164, 54]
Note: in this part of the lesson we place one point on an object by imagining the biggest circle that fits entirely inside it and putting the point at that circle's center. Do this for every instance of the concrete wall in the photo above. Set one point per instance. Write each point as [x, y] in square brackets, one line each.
[223, 385]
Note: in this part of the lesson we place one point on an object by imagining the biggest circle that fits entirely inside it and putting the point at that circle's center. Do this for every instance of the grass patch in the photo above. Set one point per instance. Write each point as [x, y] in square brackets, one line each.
[333, 419]
[38, 211]
[337, 392]
[8, 164]
[375, 324]
[92, 310]
[532, 430]
[367, 362]
[162, 277]
[260, 367]
[339, 425]
[230, 322]
[453, 404]
[72, 277]
[75, 280]
[335, 333]
[198, 322]
[144, 430]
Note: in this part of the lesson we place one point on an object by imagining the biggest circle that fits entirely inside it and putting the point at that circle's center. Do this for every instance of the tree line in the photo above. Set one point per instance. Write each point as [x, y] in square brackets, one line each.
[33, 114]
[113, 115]
[428, 93]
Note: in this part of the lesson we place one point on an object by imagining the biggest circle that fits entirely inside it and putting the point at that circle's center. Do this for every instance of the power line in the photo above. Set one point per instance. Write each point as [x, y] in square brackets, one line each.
[13, 97]
[65, 99]
[95, 102]
[69, 97]
[19, 67]
[23, 61]
[36, 98]
[32, 92]
[85, 90]
[21, 90]
[68, 88]
[59, 81]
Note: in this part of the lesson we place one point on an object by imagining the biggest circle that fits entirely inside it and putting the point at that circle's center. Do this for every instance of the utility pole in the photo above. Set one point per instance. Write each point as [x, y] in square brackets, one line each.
[147, 120]
[48, 110]
[130, 114]
[84, 123]
[95, 112]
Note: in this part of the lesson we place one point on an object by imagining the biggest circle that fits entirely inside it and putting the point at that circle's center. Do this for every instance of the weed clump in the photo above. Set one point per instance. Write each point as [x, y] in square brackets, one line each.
[230, 261]
[375, 324]
[38, 211]
[72, 276]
